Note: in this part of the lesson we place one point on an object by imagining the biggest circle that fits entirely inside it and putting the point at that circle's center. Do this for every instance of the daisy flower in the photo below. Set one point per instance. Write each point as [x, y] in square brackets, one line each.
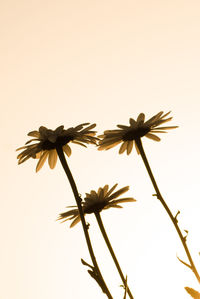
[95, 202]
[137, 129]
[46, 142]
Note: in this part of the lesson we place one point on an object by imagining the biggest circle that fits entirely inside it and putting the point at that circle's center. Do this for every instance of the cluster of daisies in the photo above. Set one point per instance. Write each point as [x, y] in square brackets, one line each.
[46, 142]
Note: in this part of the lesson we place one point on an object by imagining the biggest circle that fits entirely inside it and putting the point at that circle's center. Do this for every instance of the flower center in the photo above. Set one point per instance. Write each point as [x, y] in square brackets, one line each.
[60, 141]
[97, 207]
[135, 133]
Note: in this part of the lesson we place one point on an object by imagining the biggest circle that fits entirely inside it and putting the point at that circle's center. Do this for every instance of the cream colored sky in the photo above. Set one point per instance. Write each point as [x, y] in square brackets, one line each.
[68, 62]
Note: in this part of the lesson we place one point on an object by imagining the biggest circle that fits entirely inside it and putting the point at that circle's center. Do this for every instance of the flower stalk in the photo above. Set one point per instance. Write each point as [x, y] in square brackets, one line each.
[85, 229]
[173, 219]
[124, 280]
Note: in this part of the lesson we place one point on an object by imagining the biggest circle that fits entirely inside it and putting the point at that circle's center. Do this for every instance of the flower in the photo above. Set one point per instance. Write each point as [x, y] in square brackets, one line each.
[95, 202]
[137, 129]
[48, 140]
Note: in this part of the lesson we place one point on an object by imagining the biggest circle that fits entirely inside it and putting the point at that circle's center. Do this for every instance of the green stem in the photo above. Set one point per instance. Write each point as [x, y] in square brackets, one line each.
[85, 229]
[173, 219]
[101, 226]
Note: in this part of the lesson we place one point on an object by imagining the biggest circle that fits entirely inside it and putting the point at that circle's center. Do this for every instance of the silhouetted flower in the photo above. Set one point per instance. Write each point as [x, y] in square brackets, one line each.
[48, 140]
[137, 129]
[96, 202]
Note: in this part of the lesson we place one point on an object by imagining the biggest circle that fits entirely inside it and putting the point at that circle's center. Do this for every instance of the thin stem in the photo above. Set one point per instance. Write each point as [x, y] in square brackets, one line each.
[101, 226]
[85, 229]
[173, 219]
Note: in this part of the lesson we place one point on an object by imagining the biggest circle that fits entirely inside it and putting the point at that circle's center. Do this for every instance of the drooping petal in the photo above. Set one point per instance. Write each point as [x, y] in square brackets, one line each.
[42, 160]
[137, 149]
[66, 148]
[52, 158]
[129, 147]
[76, 220]
[123, 147]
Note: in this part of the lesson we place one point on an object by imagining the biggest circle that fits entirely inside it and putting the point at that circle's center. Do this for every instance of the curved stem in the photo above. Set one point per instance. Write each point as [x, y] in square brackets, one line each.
[101, 226]
[100, 279]
[173, 219]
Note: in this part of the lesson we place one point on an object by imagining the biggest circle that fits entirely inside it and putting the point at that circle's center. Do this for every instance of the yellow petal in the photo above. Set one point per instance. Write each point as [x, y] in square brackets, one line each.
[67, 150]
[42, 160]
[141, 118]
[137, 149]
[123, 147]
[129, 147]
[52, 158]
[152, 136]
[76, 220]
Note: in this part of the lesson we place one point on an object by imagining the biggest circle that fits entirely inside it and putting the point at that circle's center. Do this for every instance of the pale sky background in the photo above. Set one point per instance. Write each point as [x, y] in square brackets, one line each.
[68, 62]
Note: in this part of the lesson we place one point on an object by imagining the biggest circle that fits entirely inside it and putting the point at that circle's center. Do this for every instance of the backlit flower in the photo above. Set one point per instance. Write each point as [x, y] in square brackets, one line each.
[95, 202]
[137, 129]
[46, 141]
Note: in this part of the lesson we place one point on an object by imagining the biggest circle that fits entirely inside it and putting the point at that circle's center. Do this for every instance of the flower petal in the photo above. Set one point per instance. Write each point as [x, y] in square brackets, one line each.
[132, 122]
[123, 147]
[76, 142]
[52, 158]
[137, 149]
[164, 128]
[76, 220]
[42, 160]
[108, 146]
[34, 134]
[129, 147]
[111, 190]
[119, 192]
[152, 136]
[122, 127]
[154, 118]
[66, 148]
[88, 128]
[121, 200]
[141, 118]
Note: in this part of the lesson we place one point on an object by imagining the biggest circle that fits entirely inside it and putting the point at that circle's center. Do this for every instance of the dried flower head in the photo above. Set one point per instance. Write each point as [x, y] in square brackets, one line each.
[137, 129]
[46, 142]
[95, 202]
